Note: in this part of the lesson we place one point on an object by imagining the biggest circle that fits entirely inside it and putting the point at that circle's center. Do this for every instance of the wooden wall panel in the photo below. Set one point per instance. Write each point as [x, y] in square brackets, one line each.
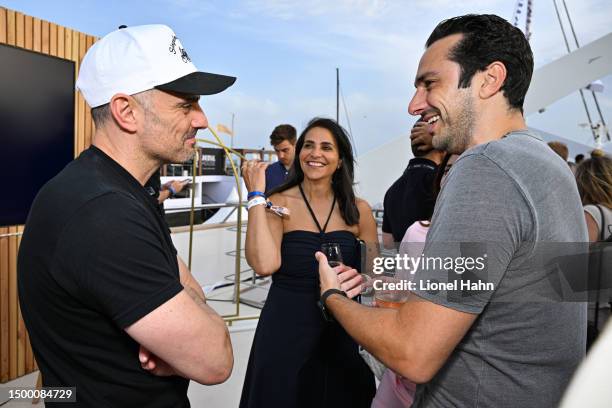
[31, 33]
[78, 111]
[61, 40]
[4, 307]
[13, 303]
[10, 27]
[19, 30]
[37, 35]
[53, 39]
[68, 42]
[3, 28]
[45, 37]
[21, 330]
[89, 125]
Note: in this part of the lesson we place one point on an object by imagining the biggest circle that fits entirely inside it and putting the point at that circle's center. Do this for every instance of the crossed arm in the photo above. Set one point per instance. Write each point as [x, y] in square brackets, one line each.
[185, 337]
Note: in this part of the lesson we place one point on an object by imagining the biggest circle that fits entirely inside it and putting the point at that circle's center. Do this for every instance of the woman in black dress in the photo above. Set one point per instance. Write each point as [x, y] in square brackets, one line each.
[297, 358]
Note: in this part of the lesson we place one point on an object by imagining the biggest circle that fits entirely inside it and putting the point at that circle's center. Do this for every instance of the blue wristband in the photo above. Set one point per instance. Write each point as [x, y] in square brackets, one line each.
[172, 190]
[255, 194]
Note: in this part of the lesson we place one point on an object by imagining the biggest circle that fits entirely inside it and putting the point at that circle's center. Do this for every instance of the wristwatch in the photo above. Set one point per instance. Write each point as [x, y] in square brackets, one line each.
[321, 303]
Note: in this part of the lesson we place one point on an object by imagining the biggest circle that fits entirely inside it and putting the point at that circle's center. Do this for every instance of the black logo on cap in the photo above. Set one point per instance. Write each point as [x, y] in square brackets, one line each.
[184, 55]
[173, 44]
[172, 49]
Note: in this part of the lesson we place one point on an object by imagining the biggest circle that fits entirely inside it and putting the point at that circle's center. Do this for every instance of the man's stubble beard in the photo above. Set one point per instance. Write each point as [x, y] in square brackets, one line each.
[155, 129]
[457, 134]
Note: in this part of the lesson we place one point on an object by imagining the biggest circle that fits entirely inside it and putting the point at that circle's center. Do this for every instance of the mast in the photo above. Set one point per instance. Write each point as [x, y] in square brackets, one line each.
[338, 95]
[603, 122]
[232, 135]
[586, 108]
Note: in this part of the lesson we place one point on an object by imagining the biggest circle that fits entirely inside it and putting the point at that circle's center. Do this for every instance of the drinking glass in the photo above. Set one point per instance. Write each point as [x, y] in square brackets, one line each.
[334, 258]
[333, 253]
[390, 298]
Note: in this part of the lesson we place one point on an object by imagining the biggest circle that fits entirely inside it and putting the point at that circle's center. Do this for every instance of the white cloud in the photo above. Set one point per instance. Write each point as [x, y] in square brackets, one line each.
[384, 40]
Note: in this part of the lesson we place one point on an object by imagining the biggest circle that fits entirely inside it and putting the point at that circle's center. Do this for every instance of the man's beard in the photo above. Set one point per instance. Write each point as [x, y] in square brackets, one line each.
[457, 133]
[155, 127]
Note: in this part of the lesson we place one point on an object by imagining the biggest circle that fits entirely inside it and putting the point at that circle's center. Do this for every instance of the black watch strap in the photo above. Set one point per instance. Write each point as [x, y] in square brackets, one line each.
[326, 313]
[330, 292]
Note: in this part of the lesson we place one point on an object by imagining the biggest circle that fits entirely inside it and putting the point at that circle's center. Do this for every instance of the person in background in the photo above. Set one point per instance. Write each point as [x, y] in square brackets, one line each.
[417, 232]
[594, 179]
[109, 307]
[165, 191]
[298, 358]
[410, 198]
[579, 158]
[282, 140]
[394, 391]
[171, 188]
[560, 149]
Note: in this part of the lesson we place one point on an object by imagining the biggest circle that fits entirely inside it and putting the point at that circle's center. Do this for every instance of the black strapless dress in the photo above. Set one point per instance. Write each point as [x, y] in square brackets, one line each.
[297, 358]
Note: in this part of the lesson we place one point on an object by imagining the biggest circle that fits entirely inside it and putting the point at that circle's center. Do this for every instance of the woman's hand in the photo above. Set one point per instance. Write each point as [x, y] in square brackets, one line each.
[254, 175]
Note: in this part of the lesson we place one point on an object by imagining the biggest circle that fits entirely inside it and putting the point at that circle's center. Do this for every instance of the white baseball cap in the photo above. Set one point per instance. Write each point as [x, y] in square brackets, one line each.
[135, 59]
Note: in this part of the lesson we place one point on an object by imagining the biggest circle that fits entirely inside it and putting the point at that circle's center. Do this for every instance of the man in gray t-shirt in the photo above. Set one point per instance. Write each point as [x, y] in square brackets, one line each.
[512, 340]
[524, 346]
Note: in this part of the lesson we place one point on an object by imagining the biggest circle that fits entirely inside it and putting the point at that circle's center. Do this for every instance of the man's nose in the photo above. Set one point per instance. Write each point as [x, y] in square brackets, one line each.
[199, 121]
[418, 104]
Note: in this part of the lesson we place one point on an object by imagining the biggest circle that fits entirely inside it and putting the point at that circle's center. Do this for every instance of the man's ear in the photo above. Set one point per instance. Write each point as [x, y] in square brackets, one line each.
[124, 111]
[493, 78]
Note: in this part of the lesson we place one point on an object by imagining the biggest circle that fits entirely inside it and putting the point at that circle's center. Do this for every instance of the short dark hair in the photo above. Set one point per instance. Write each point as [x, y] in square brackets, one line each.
[281, 133]
[100, 114]
[560, 149]
[342, 180]
[488, 38]
[579, 158]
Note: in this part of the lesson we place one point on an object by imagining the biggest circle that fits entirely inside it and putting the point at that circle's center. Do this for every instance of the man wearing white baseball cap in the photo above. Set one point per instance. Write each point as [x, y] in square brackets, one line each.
[109, 307]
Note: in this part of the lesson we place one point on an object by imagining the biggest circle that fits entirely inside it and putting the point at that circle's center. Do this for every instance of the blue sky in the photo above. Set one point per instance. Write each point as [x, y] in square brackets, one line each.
[285, 52]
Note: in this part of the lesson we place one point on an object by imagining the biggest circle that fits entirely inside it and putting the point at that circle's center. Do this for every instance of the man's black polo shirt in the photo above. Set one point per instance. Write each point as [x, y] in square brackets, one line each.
[410, 198]
[95, 257]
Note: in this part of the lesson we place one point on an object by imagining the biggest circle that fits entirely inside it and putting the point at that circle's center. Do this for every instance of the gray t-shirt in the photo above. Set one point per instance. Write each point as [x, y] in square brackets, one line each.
[508, 198]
